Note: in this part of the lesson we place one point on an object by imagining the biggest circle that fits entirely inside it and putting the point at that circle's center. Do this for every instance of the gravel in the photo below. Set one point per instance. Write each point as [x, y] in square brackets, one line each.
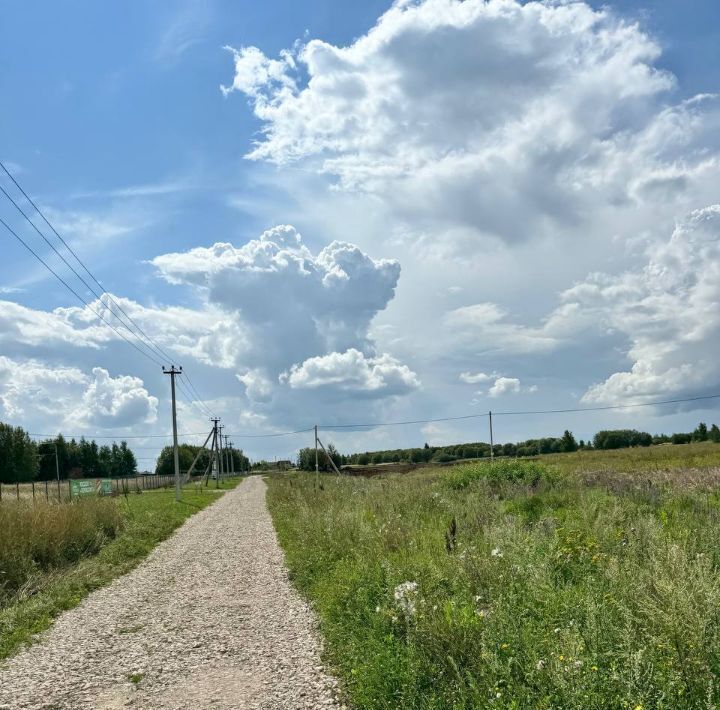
[208, 620]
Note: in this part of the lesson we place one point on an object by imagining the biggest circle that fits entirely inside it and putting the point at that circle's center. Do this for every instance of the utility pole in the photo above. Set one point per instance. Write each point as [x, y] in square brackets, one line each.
[215, 447]
[222, 454]
[227, 455]
[492, 453]
[57, 471]
[173, 372]
[317, 468]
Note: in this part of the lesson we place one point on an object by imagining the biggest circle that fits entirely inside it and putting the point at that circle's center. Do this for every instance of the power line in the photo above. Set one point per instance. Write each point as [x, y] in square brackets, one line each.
[74, 292]
[193, 389]
[116, 437]
[144, 338]
[269, 436]
[518, 413]
[65, 261]
[610, 406]
[151, 342]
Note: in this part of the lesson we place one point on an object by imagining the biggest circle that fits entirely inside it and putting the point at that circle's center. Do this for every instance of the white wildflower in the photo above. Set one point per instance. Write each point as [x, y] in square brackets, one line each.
[405, 596]
[540, 664]
[496, 552]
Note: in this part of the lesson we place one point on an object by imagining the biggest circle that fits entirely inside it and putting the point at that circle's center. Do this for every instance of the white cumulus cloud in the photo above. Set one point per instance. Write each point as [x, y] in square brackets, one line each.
[353, 371]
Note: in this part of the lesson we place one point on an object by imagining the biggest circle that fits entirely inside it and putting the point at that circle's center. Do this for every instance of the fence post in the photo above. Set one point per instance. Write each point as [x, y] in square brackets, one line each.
[47, 492]
[17, 489]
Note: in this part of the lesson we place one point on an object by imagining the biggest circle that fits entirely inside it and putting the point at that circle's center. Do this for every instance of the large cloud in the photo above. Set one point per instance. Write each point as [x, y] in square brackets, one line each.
[668, 312]
[301, 319]
[511, 119]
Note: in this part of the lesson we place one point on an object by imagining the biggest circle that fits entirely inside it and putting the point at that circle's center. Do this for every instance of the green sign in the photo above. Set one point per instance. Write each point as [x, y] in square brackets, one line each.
[102, 487]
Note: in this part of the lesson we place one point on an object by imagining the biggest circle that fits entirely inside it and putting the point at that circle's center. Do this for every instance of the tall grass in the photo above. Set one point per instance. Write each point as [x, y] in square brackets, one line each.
[517, 593]
[37, 537]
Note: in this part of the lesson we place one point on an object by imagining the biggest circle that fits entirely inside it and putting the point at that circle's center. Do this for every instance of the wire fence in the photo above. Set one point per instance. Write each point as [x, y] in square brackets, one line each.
[70, 489]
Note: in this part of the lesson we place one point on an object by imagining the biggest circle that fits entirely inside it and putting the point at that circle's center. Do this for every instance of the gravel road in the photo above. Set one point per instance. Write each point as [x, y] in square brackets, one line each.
[208, 620]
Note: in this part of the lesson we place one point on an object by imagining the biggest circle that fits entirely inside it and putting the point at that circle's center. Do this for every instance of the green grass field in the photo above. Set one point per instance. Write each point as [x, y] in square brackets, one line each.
[585, 580]
[53, 555]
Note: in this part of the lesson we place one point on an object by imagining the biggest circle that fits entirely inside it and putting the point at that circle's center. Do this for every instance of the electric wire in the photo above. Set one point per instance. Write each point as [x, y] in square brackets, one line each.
[74, 292]
[528, 412]
[157, 348]
[147, 341]
[84, 282]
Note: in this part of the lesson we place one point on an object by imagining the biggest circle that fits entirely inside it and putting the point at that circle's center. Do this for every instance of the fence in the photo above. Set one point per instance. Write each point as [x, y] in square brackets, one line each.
[60, 491]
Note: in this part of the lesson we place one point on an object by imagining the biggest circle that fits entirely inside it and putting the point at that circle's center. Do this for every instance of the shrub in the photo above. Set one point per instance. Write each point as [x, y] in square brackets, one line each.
[513, 471]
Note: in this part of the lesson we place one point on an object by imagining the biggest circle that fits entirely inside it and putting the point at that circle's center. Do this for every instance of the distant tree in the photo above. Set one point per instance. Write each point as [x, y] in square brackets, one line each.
[681, 438]
[714, 434]
[621, 438]
[701, 433]
[127, 463]
[18, 455]
[363, 459]
[568, 443]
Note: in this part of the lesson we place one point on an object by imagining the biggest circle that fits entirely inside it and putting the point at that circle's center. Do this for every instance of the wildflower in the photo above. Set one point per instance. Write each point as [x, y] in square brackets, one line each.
[561, 657]
[578, 664]
[557, 630]
[540, 664]
[496, 552]
[405, 595]
[504, 645]
[377, 609]
[594, 668]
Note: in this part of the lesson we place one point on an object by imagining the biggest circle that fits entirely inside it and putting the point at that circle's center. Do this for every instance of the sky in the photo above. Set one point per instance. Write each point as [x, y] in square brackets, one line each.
[335, 213]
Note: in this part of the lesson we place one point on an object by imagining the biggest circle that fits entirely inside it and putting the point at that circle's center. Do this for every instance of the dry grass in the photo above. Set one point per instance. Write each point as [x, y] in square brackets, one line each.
[39, 536]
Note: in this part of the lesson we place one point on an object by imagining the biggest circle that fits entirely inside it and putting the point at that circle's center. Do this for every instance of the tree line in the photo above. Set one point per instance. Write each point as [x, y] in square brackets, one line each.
[604, 440]
[22, 459]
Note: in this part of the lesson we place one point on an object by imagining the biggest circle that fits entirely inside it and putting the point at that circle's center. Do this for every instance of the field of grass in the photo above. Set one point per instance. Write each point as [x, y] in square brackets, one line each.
[567, 582]
[53, 555]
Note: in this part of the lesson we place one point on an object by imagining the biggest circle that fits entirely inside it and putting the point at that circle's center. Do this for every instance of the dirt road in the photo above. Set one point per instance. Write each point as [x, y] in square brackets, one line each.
[208, 620]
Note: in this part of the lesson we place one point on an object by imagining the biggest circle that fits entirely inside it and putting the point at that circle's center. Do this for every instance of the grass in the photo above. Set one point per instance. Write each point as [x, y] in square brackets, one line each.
[539, 587]
[57, 554]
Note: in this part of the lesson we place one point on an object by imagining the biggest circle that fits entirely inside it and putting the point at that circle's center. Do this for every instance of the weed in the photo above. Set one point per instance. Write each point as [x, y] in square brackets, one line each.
[561, 590]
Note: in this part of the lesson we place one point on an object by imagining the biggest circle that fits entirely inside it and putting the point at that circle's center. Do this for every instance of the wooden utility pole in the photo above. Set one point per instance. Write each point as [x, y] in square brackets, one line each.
[176, 456]
[227, 456]
[317, 467]
[492, 452]
[216, 449]
[221, 453]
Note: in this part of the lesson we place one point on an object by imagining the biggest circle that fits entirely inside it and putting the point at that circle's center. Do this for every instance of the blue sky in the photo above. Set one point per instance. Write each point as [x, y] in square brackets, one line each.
[114, 120]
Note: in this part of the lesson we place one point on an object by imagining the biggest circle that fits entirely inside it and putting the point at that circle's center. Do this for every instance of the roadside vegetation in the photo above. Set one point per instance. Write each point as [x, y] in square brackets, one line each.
[586, 580]
[53, 555]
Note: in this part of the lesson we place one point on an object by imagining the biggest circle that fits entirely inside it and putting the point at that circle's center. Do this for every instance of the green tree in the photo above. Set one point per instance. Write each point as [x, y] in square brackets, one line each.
[568, 442]
[18, 455]
[714, 434]
[701, 433]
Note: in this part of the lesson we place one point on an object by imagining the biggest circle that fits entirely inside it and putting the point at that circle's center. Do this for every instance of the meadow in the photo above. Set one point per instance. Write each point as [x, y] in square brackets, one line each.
[584, 580]
[52, 555]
